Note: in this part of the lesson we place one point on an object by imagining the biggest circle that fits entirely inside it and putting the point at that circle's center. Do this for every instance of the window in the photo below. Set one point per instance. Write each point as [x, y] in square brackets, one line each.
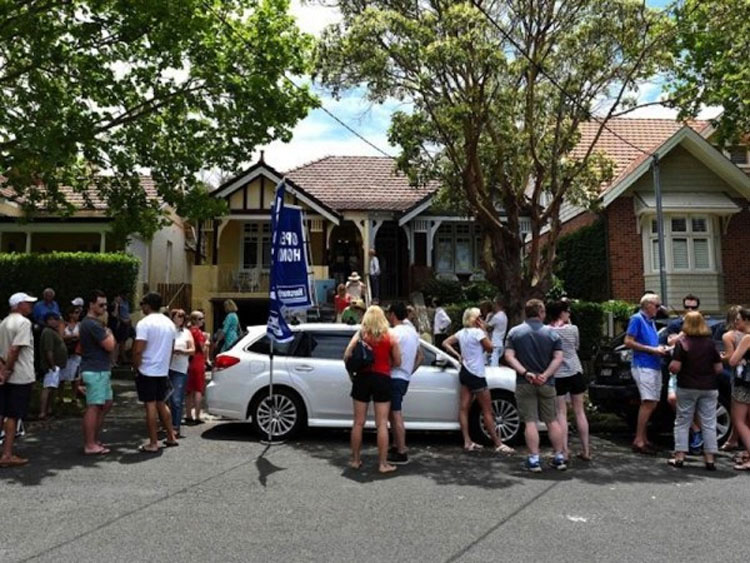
[457, 248]
[687, 243]
[739, 155]
[256, 246]
[262, 346]
[323, 345]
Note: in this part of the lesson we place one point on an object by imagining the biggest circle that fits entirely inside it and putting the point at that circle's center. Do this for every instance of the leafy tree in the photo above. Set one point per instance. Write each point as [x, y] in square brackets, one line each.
[92, 91]
[713, 62]
[489, 123]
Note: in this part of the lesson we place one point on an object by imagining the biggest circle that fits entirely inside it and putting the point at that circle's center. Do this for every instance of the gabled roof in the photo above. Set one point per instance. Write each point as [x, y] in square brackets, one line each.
[353, 183]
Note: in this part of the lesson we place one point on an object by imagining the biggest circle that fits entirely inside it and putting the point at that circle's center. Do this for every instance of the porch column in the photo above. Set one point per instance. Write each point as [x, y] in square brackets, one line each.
[431, 238]
[28, 242]
[102, 242]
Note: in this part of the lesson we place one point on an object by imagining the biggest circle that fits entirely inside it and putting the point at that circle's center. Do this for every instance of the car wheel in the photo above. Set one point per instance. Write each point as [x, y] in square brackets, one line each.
[507, 420]
[723, 421]
[282, 415]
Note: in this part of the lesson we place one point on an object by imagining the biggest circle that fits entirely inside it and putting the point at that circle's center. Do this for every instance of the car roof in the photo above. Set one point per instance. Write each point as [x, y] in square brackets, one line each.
[303, 327]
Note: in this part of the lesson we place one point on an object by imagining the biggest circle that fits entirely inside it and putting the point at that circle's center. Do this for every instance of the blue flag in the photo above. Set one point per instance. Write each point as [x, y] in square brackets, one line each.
[290, 280]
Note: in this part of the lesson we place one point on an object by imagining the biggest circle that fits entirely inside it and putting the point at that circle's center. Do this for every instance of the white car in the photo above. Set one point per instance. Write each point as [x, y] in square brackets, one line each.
[311, 386]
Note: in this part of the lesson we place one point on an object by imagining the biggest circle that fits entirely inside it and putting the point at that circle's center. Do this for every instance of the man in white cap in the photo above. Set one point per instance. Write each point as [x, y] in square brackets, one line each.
[77, 302]
[16, 372]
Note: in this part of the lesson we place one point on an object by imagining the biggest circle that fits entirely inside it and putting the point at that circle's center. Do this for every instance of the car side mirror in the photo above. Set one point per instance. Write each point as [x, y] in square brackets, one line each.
[441, 361]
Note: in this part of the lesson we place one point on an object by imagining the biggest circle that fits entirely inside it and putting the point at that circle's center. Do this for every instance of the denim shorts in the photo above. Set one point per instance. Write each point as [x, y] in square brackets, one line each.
[398, 390]
[98, 387]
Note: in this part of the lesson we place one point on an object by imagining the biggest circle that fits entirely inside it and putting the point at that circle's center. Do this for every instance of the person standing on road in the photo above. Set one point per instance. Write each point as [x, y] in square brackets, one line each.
[569, 378]
[642, 338]
[373, 384]
[16, 372]
[741, 396]
[697, 364]
[230, 329]
[184, 348]
[196, 382]
[474, 344]
[535, 352]
[736, 325]
[411, 357]
[440, 325]
[53, 357]
[498, 324]
[97, 343]
[71, 335]
[152, 351]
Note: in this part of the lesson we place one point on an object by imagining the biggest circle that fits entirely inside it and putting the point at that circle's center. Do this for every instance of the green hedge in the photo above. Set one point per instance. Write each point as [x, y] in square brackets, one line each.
[453, 291]
[582, 263]
[70, 274]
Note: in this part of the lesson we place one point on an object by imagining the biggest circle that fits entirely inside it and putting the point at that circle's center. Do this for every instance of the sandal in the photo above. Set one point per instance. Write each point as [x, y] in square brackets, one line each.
[742, 467]
[583, 457]
[740, 458]
[146, 450]
[674, 462]
[14, 461]
[101, 451]
[504, 449]
[355, 466]
[645, 449]
[710, 466]
[473, 447]
[727, 447]
[171, 443]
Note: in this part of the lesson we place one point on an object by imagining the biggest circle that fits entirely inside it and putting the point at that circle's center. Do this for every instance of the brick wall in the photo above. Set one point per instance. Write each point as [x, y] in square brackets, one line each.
[734, 257]
[625, 251]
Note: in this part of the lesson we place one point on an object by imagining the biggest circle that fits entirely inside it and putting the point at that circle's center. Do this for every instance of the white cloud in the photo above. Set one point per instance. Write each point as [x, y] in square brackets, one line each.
[314, 16]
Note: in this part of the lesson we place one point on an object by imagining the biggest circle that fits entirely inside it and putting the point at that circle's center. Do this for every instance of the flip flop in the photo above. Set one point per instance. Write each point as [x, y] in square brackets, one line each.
[473, 447]
[388, 468]
[742, 467]
[583, 457]
[14, 461]
[504, 449]
[171, 444]
[643, 450]
[145, 450]
[101, 451]
[674, 462]
[354, 466]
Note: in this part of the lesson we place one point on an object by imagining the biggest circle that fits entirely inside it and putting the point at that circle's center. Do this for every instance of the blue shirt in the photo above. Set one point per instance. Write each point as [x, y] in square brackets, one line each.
[643, 331]
[42, 308]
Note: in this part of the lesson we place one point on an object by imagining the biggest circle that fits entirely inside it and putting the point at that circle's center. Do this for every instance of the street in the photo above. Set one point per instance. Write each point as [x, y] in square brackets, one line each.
[223, 496]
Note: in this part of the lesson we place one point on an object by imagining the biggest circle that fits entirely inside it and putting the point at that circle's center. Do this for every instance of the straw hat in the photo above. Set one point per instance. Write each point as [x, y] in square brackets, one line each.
[358, 304]
[354, 277]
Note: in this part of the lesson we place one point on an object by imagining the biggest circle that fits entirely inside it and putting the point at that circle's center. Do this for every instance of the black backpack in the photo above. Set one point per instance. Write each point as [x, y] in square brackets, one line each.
[362, 358]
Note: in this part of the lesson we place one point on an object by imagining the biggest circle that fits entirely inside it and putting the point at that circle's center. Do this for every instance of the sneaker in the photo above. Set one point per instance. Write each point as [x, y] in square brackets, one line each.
[397, 458]
[696, 443]
[558, 463]
[533, 466]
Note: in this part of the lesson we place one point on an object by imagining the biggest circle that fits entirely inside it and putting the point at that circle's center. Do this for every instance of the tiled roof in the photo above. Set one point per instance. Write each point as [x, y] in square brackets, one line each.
[646, 134]
[348, 183]
[77, 199]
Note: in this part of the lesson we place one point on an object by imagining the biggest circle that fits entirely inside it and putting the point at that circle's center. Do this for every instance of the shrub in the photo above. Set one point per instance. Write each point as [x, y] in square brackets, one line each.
[70, 274]
[447, 291]
[479, 291]
[582, 263]
[589, 318]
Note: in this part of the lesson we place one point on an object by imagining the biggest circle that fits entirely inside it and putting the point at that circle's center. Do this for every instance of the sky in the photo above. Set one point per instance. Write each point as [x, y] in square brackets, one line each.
[318, 135]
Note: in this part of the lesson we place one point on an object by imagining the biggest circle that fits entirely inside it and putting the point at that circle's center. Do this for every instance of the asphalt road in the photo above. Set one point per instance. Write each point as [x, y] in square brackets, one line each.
[223, 496]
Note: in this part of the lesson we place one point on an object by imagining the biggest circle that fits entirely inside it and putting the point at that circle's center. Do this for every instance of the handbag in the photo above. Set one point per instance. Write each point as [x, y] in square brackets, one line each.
[362, 358]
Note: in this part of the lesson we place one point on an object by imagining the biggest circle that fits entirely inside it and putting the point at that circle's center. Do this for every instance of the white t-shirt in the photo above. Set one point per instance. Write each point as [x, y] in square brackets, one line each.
[499, 324]
[15, 330]
[408, 343]
[158, 331]
[442, 321]
[180, 362]
[470, 340]
[374, 266]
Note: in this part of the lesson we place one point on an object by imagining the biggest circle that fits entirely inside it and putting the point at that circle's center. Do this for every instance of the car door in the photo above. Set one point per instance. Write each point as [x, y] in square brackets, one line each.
[433, 391]
[317, 368]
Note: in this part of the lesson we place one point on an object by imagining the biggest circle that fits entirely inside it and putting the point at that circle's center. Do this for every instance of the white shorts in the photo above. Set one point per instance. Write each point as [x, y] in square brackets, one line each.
[52, 378]
[70, 371]
[648, 381]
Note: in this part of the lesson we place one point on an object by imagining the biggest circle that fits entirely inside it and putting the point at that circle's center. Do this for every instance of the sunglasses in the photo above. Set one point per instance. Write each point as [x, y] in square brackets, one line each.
[691, 307]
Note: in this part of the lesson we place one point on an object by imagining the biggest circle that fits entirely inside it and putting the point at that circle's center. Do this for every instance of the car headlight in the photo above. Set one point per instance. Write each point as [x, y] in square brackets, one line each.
[625, 355]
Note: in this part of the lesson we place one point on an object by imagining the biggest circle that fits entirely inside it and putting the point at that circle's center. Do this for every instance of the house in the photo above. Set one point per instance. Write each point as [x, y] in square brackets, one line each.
[165, 260]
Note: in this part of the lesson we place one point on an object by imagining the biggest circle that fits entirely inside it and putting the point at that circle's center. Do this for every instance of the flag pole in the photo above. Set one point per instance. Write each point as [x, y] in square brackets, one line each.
[271, 402]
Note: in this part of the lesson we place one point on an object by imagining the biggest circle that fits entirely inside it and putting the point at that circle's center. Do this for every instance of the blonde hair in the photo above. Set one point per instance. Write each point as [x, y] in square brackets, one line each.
[374, 324]
[694, 325]
[230, 306]
[195, 316]
[470, 316]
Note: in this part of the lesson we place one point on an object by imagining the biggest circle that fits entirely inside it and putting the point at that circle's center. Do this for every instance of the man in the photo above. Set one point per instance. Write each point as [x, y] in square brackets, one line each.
[97, 343]
[374, 276]
[674, 329]
[47, 305]
[152, 352]
[535, 352]
[411, 358]
[16, 372]
[53, 357]
[642, 338]
[441, 324]
[498, 322]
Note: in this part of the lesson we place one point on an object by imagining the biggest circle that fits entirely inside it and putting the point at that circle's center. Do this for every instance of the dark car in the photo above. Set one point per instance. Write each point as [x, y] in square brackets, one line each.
[613, 389]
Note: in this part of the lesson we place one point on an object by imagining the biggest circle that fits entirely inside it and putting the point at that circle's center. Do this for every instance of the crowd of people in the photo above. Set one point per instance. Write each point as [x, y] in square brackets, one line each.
[169, 354]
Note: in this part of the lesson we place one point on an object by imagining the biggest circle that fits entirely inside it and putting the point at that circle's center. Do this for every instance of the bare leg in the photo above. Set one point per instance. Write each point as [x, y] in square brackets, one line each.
[103, 410]
[360, 412]
[189, 406]
[485, 402]
[166, 420]
[562, 420]
[198, 403]
[10, 437]
[582, 423]
[463, 414]
[555, 435]
[151, 412]
[90, 426]
[399, 432]
[381, 423]
[44, 403]
[644, 414]
[531, 434]
[739, 418]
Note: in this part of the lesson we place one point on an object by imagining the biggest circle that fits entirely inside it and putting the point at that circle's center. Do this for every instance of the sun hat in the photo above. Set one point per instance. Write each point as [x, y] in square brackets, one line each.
[17, 298]
[358, 304]
[77, 302]
[354, 277]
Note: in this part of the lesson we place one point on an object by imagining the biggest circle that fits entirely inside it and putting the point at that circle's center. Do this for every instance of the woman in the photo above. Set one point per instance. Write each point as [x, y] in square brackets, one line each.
[184, 347]
[569, 378]
[355, 287]
[741, 393]
[373, 384]
[340, 301]
[474, 344]
[71, 336]
[734, 329]
[196, 381]
[231, 327]
[697, 365]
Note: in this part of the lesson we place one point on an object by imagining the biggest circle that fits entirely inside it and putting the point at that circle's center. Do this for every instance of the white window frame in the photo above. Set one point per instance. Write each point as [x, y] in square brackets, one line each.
[259, 237]
[448, 232]
[651, 243]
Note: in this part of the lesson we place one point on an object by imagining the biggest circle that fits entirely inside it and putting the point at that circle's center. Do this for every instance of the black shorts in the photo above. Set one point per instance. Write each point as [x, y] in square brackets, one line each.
[473, 382]
[151, 388]
[14, 400]
[371, 387]
[575, 385]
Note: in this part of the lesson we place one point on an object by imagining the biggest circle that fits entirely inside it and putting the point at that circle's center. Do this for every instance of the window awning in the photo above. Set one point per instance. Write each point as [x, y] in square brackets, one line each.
[716, 203]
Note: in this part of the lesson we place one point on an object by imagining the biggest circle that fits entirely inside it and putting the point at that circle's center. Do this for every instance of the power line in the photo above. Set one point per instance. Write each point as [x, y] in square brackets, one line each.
[325, 110]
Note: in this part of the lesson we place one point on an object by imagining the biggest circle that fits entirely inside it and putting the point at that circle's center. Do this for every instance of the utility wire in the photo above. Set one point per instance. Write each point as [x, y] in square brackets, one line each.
[325, 110]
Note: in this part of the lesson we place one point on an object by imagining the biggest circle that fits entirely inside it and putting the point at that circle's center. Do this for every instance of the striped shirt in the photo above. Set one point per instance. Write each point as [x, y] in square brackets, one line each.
[571, 365]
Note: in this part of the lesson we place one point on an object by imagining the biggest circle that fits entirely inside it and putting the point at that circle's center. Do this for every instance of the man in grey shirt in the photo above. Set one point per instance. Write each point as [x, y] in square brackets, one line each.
[535, 352]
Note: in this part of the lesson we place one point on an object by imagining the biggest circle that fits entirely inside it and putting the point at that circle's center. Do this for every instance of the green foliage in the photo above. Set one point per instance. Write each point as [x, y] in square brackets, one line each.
[70, 274]
[582, 263]
[557, 291]
[479, 291]
[91, 85]
[589, 318]
[621, 310]
[447, 291]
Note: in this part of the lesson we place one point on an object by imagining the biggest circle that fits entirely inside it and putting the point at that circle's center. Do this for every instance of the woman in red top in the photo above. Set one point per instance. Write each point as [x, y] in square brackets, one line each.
[373, 384]
[196, 382]
[341, 301]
